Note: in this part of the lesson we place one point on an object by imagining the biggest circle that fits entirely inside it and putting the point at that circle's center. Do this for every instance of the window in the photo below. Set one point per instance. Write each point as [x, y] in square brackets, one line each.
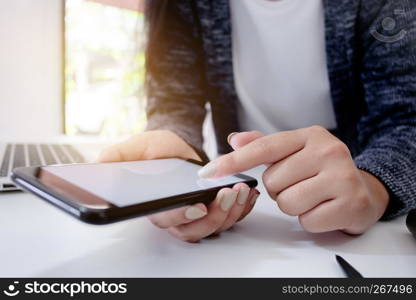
[104, 69]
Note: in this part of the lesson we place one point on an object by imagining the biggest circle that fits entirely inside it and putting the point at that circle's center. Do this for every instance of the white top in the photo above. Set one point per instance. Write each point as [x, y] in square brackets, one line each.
[280, 66]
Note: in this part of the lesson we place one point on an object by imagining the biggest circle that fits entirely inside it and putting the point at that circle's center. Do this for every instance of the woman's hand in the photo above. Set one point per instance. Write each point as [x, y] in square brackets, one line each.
[190, 223]
[310, 174]
[149, 145]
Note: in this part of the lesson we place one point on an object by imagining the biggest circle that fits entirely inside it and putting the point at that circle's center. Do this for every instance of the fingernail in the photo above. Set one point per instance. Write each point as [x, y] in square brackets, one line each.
[228, 200]
[230, 137]
[254, 198]
[193, 213]
[208, 170]
[243, 195]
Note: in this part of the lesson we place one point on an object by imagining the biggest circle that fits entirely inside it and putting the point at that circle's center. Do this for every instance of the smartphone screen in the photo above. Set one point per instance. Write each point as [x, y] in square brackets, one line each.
[129, 183]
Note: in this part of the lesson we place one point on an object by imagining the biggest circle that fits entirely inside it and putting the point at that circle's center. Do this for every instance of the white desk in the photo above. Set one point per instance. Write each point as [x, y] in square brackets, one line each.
[41, 241]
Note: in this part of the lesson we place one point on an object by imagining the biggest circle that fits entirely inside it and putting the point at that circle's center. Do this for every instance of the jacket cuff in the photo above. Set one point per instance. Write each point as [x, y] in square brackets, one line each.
[392, 174]
[192, 137]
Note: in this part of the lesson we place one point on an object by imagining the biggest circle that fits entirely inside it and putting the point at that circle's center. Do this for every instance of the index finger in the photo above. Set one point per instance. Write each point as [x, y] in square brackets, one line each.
[265, 150]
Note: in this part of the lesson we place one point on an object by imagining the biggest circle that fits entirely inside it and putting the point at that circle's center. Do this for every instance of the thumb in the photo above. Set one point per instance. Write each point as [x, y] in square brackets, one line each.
[134, 148]
[240, 139]
[149, 145]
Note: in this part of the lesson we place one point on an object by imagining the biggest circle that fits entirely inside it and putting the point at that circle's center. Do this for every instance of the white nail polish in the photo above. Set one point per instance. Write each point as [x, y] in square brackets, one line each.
[230, 136]
[228, 200]
[254, 198]
[208, 171]
[193, 213]
[243, 195]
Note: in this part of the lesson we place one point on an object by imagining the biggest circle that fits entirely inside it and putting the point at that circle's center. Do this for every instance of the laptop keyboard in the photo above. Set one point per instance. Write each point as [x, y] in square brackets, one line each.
[25, 155]
[34, 157]
[4, 170]
[19, 159]
[47, 155]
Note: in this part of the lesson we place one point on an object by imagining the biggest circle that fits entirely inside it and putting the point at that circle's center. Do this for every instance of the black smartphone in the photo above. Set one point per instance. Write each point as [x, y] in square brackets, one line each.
[103, 193]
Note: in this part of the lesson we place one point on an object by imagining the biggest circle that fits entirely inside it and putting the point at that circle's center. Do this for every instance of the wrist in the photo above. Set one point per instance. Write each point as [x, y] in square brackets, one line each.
[191, 151]
[378, 192]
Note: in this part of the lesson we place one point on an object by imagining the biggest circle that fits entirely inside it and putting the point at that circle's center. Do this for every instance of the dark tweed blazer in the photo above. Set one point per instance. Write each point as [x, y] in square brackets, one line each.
[372, 73]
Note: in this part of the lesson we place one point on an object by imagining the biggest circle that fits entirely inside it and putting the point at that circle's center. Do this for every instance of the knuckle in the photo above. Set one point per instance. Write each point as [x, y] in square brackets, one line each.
[307, 224]
[349, 177]
[285, 203]
[303, 221]
[267, 180]
[317, 130]
[191, 239]
[186, 237]
[361, 204]
[335, 149]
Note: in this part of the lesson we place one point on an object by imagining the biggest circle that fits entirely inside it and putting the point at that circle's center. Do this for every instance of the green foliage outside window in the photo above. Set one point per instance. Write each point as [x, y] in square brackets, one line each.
[104, 72]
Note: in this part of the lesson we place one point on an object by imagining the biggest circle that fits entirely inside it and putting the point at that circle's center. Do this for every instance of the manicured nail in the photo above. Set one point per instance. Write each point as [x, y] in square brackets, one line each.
[193, 213]
[208, 170]
[243, 195]
[227, 201]
[254, 198]
[230, 137]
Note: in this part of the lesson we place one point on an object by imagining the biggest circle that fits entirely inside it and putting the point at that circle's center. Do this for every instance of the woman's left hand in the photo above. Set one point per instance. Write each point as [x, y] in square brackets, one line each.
[310, 174]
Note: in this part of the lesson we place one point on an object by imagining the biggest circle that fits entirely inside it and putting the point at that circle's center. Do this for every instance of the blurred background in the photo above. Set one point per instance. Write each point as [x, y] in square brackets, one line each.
[71, 67]
[104, 67]
[73, 71]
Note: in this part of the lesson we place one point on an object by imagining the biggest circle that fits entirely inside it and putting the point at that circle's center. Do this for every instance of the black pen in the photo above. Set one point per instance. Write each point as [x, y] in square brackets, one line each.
[349, 270]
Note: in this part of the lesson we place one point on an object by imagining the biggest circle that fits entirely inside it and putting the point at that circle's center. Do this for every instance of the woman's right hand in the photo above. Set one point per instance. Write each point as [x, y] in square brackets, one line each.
[189, 223]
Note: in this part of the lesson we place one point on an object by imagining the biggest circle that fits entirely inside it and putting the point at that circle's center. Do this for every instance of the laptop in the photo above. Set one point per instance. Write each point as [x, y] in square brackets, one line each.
[14, 155]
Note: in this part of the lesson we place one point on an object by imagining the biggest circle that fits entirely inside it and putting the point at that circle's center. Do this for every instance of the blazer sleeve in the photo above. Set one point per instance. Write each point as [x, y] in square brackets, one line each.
[176, 84]
[387, 130]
